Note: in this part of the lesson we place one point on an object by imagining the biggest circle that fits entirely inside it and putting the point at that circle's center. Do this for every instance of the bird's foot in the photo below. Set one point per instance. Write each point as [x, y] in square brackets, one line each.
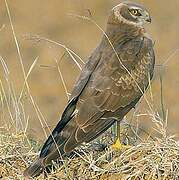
[119, 146]
[98, 146]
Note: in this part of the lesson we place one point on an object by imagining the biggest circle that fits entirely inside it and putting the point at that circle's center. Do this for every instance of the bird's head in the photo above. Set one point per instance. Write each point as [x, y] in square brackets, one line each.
[130, 13]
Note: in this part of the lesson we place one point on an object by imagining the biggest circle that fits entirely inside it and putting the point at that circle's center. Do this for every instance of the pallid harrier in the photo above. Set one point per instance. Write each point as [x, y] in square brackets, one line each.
[111, 83]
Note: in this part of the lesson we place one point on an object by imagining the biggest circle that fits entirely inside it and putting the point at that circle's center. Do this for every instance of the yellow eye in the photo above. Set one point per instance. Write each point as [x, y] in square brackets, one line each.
[135, 12]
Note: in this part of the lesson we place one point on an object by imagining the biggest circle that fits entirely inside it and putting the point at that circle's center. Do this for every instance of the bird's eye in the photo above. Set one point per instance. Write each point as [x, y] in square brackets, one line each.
[135, 12]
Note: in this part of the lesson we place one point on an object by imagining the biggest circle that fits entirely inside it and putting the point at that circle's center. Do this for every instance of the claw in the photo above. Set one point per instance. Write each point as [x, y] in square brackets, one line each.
[119, 146]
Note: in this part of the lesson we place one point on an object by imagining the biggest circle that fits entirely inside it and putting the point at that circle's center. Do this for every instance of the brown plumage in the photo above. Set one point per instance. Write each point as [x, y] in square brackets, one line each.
[111, 83]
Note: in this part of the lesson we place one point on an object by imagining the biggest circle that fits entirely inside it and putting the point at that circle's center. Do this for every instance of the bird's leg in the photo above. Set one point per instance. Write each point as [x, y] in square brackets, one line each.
[118, 145]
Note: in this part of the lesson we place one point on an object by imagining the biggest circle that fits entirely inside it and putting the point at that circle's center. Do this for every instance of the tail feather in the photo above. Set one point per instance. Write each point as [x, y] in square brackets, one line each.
[34, 169]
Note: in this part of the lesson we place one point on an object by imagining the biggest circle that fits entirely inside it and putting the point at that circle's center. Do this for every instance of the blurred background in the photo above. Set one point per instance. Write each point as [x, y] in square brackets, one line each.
[52, 20]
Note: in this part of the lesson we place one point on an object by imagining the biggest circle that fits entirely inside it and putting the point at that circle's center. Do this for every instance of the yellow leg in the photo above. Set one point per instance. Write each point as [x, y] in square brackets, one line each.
[118, 145]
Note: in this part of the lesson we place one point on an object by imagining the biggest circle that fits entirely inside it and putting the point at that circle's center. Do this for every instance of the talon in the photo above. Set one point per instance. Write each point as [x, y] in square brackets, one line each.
[119, 146]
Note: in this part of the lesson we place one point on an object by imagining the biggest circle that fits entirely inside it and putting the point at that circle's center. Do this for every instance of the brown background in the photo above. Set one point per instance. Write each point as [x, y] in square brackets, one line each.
[51, 19]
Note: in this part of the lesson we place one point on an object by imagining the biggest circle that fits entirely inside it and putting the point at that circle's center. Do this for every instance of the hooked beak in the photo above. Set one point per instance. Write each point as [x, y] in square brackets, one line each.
[149, 20]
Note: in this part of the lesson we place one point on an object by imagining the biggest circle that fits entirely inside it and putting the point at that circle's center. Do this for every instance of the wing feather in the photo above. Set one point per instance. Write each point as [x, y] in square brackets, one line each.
[104, 92]
[114, 88]
[69, 110]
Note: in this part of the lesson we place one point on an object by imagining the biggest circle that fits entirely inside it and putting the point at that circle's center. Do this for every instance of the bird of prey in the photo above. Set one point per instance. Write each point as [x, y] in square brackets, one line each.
[112, 81]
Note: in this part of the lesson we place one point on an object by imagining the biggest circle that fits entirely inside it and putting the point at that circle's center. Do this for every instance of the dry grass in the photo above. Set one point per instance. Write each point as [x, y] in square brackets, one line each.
[152, 159]
[148, 158]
